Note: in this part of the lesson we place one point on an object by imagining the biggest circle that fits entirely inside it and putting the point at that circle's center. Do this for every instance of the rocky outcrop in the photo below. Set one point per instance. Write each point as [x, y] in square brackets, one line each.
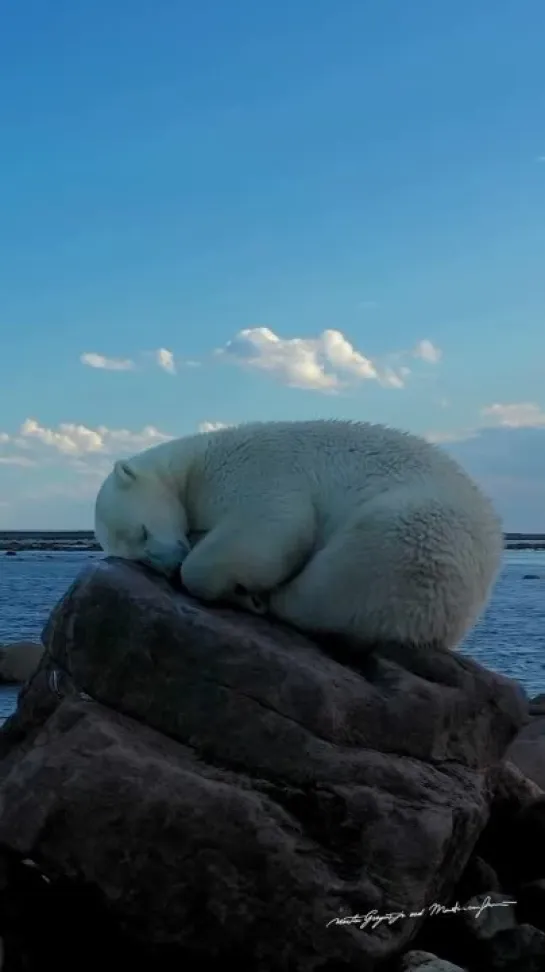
[227, 789]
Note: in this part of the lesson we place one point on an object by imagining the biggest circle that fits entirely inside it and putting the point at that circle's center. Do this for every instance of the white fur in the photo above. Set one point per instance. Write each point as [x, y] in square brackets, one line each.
[338, 527]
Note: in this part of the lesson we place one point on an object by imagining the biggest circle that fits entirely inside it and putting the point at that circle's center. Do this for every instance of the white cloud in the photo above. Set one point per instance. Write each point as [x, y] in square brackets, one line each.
[294, 362]
[165, 360]
[324, 363]
[72, 440]
[212, 426]
[517, 415]
[94, 360]
[427, 351]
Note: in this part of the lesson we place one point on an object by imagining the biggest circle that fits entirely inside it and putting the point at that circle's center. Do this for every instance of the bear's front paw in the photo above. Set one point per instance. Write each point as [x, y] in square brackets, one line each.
[202, 584]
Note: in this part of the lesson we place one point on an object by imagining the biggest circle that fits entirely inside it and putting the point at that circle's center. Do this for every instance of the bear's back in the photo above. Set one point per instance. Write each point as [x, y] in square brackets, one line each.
[328, 456]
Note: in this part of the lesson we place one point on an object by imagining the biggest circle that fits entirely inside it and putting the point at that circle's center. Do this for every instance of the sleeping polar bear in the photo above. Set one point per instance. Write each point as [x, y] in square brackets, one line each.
[335, 527]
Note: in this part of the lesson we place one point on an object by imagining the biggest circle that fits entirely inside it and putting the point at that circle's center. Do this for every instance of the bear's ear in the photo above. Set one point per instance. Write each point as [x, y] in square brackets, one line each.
[124, 472]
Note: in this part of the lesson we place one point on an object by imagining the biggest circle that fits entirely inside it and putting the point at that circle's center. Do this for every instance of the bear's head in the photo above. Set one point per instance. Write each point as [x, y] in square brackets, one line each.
[138, 517]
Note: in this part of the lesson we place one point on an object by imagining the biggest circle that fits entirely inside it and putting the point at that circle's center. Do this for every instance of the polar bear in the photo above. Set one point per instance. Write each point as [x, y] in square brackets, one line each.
[335, 527]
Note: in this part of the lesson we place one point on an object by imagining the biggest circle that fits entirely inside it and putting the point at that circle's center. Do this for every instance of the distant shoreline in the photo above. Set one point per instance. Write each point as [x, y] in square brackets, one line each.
[60, 540]
[73, 540]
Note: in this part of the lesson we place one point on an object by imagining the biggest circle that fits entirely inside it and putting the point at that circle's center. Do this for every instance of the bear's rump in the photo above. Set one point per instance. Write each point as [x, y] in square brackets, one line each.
[418, 572]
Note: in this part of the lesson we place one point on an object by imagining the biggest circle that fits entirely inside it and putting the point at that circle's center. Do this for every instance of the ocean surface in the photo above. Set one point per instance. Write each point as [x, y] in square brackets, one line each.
[509, 638]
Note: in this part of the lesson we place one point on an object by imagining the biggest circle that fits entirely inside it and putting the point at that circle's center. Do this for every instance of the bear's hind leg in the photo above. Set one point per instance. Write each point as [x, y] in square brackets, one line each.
[325, 598]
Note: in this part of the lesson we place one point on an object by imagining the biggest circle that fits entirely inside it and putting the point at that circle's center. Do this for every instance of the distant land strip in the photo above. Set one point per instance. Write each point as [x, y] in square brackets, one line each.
[74, 540]
[62, 540]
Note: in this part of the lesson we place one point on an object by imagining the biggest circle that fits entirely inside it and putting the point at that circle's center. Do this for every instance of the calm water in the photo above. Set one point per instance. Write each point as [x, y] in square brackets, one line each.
[510, 637]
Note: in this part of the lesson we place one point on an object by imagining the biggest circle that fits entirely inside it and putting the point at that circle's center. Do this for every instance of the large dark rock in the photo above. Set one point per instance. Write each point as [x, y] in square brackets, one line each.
[228, 788]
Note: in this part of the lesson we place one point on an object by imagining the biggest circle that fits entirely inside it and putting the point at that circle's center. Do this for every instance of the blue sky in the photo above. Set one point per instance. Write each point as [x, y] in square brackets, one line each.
[228, 211]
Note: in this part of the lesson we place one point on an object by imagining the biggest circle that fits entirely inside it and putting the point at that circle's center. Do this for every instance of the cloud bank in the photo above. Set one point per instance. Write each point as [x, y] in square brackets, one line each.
[326, 363]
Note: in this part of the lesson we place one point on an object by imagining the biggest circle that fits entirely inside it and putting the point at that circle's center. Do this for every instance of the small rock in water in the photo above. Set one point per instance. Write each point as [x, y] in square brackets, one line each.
[536, 706]
[19, 660]
[418, 961]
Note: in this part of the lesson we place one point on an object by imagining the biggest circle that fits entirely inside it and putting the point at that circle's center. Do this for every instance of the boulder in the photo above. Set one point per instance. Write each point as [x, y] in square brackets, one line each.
[518, 949]
[487, 914]
[18, 660]
[501, 844]
[536, 705]
[30, 906]
[479, 877]
[232, 790]
[527, 751]
[528, 840]
[531, 903]
[418, 961]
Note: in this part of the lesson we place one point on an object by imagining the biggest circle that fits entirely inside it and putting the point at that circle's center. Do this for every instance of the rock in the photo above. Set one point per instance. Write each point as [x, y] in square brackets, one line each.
[514, 840]
[528, 840]
[527, 751]
[531, 903]
[10, 553]
[229, 789]
[418, 961]
[509, 788]
[19, 660]
[478, 878]
[487, 914]
[30, 905]
[509, 792]
[536, 706]
[520, 949]
[461, 929]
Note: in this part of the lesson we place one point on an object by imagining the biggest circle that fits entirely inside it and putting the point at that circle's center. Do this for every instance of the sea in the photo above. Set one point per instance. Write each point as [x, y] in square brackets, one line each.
[509, 637]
